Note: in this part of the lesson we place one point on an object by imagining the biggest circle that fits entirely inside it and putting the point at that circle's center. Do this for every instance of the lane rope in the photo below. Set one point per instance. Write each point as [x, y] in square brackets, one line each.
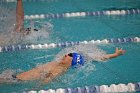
[11, 48]
[113, 88]
[83, 14]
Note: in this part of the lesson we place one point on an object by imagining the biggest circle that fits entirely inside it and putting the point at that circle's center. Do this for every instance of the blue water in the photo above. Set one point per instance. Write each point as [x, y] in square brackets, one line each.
[123, 69]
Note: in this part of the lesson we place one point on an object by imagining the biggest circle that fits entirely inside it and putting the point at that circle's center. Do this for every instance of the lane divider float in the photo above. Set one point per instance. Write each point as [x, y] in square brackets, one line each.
[11, 48]
[113, 88]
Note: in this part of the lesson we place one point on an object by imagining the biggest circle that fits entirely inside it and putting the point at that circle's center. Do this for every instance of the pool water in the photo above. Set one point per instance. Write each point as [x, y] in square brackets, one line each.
[123, 69]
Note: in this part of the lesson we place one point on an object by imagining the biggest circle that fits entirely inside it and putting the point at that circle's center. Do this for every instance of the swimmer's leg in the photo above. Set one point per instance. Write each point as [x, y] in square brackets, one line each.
[19, 16]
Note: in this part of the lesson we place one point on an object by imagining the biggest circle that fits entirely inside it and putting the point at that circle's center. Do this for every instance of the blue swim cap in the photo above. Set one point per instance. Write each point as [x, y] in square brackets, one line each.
[77, 59]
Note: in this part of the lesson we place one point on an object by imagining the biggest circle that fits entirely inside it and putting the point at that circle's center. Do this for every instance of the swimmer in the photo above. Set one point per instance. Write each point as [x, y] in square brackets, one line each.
[20, 19]
[48, 72]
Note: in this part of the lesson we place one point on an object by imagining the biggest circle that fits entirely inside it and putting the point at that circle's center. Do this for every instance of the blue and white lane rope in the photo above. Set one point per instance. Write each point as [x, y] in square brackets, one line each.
[67, 44]
[113, 88]
[83, 14]
[77, 14]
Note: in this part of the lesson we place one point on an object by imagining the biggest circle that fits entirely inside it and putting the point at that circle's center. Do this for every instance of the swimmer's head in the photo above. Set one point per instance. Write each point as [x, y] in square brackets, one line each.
[77, 59]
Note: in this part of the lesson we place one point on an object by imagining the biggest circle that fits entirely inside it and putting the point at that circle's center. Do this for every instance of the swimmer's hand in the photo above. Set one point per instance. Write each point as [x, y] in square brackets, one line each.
[117, 53]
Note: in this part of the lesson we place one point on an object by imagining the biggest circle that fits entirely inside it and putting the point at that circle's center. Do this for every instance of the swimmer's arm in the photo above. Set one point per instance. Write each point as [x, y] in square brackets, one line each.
[53, 74]
[19, 16]
[117, 53]
[49, 77]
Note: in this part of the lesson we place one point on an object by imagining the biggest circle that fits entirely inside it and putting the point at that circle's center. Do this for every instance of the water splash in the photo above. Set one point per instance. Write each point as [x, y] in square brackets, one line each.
[75, 76]
[7, 19]
[8, 35]
[7, 74]
[40, 36]
[43, 57]
[89, 51]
